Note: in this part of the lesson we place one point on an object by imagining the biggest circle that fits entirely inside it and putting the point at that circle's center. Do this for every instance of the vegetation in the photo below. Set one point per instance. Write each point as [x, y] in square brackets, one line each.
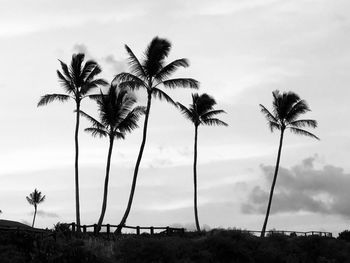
[150, 74]
[215, 246]
[34, 199]
[200, 112]
[287, 107]
[78, 81]
[117, 117]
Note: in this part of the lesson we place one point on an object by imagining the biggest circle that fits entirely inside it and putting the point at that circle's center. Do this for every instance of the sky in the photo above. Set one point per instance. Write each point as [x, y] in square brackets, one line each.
[240, 51]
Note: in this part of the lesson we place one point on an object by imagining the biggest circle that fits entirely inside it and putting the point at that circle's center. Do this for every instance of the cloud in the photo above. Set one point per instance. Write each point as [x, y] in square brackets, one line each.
[303, 187]
[46, 214]
[117, 65]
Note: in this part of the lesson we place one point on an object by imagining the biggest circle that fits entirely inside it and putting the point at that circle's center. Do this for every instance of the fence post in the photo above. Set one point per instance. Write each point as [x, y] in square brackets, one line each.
[108, 230]
[167, 230]
[84, 229]
[152, 230]
[73, 227]
[95, 229]
[182, 230]
[138, 230]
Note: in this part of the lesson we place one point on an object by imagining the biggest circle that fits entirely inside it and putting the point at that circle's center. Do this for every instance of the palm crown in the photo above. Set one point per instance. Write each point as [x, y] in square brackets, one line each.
[152, 71]
[77, 80]
[201, 111]
[116, 112]
[35, 198]
[287, 107]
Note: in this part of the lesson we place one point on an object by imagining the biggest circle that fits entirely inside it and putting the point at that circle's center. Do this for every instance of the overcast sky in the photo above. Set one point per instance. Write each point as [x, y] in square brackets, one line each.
[240, 51]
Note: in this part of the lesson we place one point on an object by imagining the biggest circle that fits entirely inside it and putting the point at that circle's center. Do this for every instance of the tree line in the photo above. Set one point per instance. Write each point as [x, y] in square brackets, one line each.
[119, 114]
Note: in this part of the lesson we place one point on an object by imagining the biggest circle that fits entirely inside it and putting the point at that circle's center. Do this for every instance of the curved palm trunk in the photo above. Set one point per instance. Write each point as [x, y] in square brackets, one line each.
[105, 191]
[133, 186]
[195, 178]
[77, 205]
[273, 185]
[35, 208]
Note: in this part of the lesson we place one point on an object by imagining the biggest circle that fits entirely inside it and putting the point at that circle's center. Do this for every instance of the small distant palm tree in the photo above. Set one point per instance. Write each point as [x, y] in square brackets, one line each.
[150, 74]
[117, 117]
[78, 81]
[287, 107]
[34, 199]
[200, 112]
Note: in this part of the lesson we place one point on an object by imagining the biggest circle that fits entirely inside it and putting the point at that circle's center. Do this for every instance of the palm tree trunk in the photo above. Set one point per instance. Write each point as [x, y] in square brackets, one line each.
[77, 205]
[105, 191]
[133, 185]
[273, 185]
[35, 208]
[195, 178]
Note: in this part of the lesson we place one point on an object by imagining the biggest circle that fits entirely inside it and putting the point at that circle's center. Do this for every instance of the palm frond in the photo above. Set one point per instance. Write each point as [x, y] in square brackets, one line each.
[274, 125]
[302, 132]
[214, 122]
[135, 64]
[88, 69]
[129, 123]
[119, 135]
[268, 115]
[304, 123]
[96, 132]
[65, 83]
[186, 112]
[88, 86]
[44, 100]
[65, 70]
[296, 110]
[30, 201]
[162, 95]
[211, 113]
[95, 123]
[128, 80]
[181, 83]
[169, 69]
[95, 96]
[155, 54]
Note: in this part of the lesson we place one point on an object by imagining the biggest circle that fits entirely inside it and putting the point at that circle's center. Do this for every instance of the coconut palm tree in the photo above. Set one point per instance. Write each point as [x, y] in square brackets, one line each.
[34, 199]
[286, 109]
[150, 74]
[78, 81]
[117, 117]
[200, 112]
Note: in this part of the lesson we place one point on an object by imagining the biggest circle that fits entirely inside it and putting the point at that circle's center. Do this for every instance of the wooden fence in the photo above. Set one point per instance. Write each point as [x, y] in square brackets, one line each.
[151, 230]
[290, 233]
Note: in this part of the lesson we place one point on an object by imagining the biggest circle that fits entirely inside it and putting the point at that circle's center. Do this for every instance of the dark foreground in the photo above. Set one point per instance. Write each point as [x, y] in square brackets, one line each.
[214, 246]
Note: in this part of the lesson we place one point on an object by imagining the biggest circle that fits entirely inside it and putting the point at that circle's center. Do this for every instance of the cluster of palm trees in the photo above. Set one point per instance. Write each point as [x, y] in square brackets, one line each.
[118, 114]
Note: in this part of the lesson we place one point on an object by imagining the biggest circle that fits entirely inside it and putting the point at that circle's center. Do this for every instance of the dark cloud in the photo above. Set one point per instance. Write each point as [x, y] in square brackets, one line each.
[45, 214]
[303, 188]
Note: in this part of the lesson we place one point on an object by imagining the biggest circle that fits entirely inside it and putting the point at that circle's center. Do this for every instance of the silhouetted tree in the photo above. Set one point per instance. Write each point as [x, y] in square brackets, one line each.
[34, 199]
[78, 81]
[150, 74]
[287, 107]
[117, 117]
[200, 112]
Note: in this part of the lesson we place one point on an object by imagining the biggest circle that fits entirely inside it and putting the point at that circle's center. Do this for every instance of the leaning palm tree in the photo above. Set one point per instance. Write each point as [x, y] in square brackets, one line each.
[117, 117]
[287, 107]
[200, 112]
[78, 81]
[34, 199]
[150, 74]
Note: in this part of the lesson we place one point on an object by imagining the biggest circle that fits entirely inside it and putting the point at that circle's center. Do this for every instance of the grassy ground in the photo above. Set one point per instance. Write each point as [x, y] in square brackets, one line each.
[215, 246]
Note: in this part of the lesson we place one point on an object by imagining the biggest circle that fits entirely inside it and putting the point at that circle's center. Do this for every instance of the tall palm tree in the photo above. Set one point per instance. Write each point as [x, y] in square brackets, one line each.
[287, 107]
[78, 81]
[200, 112]
[117, 117]
[34, 199]
[150, 74]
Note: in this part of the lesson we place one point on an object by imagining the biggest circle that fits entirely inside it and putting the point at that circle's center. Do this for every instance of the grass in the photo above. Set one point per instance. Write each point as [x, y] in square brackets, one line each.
[214, 246]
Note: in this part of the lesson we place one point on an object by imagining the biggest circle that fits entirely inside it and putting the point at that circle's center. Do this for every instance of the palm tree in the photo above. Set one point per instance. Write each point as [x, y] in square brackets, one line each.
[287, 107]
[150, 74]
[78, 81]
[34, 199]
[117, 117]
[200, 112]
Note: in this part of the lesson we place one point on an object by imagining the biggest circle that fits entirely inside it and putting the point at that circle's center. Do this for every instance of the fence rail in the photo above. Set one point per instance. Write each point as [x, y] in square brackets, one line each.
[151, 230]
[292, 233]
